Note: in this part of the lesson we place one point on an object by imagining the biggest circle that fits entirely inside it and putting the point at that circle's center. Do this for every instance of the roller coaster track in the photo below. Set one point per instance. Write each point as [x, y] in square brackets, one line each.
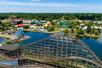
[95, 61]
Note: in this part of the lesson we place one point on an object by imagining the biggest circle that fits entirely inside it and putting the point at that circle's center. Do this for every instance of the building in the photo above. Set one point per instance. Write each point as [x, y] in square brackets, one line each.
[64, 52]
[99, 24]
[19, 21]
[27, 21]
[15, 21]
[64, 24]
[19, 25]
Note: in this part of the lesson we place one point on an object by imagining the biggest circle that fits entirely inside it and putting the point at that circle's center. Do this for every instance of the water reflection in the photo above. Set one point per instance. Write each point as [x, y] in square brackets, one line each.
[100, 38]
[2, 40]
[95, 45]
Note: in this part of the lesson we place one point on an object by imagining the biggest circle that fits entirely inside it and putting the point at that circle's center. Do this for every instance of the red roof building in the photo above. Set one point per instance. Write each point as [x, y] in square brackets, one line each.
[19, 25]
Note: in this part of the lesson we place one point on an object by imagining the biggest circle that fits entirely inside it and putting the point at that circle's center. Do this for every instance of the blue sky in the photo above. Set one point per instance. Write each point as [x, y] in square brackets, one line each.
[51, 6]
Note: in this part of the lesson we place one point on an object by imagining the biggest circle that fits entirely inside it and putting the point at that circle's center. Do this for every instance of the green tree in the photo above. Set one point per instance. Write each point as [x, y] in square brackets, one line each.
[97, 32]
[79, 31]
[88, 29]
[50, 28]
[65, 30]
[26, 26]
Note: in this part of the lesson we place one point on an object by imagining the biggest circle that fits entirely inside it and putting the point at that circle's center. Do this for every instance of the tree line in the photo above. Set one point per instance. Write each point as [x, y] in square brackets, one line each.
[53, 16]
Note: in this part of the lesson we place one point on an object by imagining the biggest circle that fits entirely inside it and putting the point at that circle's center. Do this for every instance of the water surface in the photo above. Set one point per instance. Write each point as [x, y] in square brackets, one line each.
[2, 40]
[34, 36]
[95, 45]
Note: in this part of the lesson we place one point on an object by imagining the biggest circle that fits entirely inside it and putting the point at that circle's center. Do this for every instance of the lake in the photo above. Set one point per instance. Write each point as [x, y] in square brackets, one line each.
[2, 40]
[95, 45]
[34, 36]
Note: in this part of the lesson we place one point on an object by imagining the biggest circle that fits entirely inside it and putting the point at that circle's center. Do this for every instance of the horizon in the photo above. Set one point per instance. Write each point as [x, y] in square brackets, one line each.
[47, 13]
[50, 6]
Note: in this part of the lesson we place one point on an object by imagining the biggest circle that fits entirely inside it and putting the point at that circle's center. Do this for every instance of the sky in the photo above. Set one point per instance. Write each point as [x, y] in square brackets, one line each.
[51, 6]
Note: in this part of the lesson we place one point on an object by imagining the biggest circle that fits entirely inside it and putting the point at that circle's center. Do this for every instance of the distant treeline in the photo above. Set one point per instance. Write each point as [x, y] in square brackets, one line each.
[53, 16]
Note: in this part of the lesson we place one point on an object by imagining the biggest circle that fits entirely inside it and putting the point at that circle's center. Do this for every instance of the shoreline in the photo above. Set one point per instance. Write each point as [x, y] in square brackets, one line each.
[11, 37]
[16, 41]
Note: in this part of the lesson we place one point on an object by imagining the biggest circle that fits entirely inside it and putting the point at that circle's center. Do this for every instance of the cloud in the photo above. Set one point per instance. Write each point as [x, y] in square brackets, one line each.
[48, 7]
[41, 4]
[51, 4]
[36, 4]
[35, 0]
